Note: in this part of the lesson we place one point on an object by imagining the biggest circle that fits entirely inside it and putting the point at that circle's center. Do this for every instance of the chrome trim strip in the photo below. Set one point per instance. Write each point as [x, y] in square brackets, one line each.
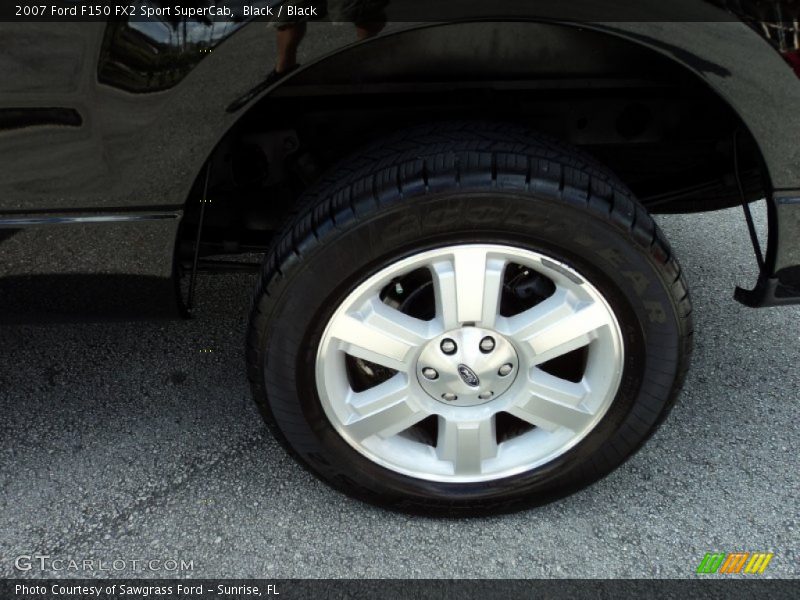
[53, 220]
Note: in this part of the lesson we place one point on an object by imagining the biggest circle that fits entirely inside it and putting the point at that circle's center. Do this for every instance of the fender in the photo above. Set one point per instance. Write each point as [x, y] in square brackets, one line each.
[145, 116]
[146, 110]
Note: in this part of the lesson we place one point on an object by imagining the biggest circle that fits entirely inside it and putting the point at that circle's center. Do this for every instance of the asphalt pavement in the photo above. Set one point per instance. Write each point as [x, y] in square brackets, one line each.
[138, 441]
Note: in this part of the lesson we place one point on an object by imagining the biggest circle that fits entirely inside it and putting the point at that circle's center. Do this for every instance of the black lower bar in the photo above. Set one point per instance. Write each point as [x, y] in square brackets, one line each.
[730, 588]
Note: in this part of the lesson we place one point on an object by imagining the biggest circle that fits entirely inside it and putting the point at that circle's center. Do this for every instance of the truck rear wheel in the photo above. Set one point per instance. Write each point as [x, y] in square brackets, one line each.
[468, 318]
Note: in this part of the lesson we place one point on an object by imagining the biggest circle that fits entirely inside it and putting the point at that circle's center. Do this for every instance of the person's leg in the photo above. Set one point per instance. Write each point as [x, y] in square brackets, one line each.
[289, 39]
[368, 16]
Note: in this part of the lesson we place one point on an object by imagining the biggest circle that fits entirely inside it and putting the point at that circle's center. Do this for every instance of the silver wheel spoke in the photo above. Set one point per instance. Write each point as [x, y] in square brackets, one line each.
[550, 403]
[556, 326]
[383, 410]
[467, 286]
[467, 444]
[380, 334]
[380, 397]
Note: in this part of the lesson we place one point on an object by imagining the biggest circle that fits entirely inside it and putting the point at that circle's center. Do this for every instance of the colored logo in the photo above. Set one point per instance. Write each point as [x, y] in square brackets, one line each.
[752, 563]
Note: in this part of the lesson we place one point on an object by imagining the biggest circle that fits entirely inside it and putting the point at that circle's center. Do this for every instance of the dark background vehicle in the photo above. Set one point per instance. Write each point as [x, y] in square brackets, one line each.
[138, 152]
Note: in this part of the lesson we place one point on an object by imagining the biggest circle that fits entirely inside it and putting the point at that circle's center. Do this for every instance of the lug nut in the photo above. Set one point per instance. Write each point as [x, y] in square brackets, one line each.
[487, 344]
[449, 397]
[505, 369]
[430, 373]
[485, 395]
[448, 346]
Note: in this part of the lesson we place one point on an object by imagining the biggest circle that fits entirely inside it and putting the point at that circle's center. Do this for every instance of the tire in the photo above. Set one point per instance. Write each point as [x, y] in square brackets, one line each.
[569, 237]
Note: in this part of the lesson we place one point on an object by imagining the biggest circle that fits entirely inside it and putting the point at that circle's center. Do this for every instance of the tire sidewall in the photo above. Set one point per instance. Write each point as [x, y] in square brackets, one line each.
[362, 242]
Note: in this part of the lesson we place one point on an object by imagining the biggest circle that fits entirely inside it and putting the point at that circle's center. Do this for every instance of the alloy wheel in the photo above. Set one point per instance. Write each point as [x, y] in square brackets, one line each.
[438, 366]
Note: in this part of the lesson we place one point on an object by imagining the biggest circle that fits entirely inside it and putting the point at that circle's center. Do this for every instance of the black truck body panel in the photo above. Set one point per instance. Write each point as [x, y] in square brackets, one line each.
[105, 128]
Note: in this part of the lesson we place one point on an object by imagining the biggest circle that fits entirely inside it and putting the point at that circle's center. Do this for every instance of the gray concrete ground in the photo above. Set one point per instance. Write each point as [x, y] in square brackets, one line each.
[130, 441]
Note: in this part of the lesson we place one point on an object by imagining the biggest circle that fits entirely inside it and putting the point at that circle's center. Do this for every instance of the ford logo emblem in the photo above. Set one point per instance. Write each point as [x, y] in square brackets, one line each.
[468, 376]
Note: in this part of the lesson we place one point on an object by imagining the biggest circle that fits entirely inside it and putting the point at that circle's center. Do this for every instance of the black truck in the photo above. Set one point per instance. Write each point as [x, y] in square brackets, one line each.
[463, 302]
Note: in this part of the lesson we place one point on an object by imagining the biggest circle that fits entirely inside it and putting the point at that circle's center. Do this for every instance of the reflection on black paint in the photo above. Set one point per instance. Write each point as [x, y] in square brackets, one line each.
[18, 118]
[143, 56]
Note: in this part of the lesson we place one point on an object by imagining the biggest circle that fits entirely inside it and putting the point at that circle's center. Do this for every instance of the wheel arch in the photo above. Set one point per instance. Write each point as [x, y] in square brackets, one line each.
[743, 71]
[491, 53]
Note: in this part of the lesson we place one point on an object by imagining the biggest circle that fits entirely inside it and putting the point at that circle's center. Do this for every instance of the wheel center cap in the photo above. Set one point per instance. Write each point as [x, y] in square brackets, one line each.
[467, 366]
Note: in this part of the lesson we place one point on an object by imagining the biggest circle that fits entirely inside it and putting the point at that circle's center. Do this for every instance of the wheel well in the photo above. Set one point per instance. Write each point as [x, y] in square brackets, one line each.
[658, 126]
